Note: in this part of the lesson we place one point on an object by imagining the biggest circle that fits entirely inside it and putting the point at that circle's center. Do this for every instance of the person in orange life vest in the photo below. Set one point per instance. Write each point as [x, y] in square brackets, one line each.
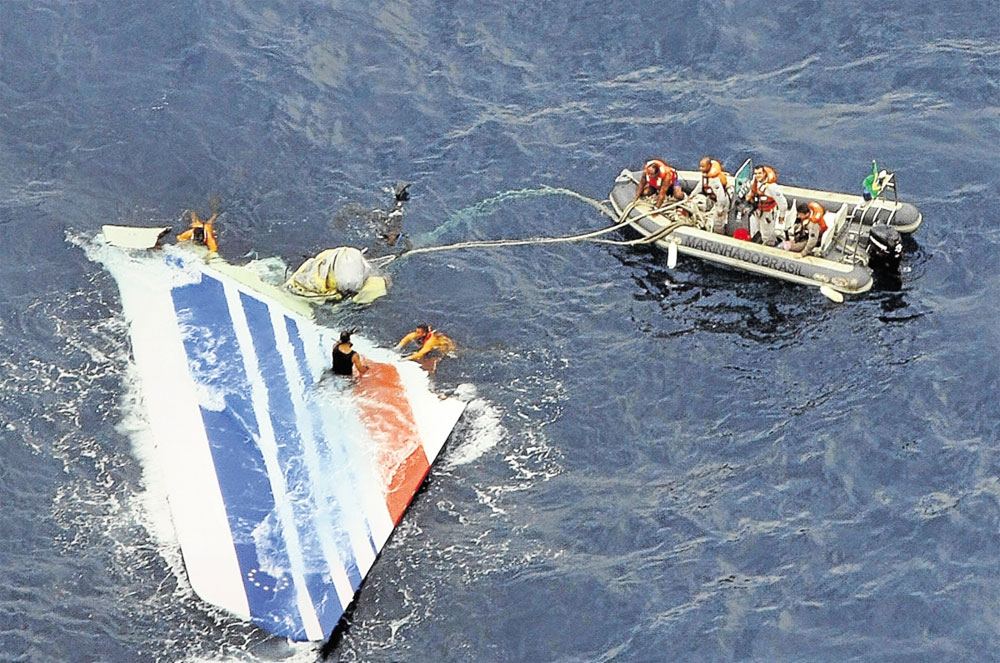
[200, 232]
[428, 340]
[345, 359]
[811, 232]
[659, 178]
[768, 201]
[713, 185]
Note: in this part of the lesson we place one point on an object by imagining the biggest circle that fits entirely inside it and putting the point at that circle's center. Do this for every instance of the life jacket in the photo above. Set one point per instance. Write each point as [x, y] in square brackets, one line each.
[664, 173]
[816, 213]
[427, 338]
[714, 170]
[201, 233]
[759, 200]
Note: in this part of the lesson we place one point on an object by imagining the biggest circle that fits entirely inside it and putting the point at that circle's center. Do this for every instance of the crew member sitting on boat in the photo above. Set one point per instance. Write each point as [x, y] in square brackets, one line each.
[714, 186]
[768, 201]
[659, 178]
[201, 232]
[345, 358]
[428, 339]
[812, 227]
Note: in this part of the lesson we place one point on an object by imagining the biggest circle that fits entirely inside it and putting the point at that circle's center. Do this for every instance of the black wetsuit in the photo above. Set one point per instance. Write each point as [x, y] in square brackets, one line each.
[343, 363]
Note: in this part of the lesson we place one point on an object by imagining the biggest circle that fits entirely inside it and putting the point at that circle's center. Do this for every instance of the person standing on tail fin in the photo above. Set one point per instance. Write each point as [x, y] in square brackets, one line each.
[428, 339]
[201, 232]
[345, 359]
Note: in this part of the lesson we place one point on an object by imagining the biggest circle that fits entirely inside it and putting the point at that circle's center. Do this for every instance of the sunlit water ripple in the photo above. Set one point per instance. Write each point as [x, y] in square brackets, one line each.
[656, 464]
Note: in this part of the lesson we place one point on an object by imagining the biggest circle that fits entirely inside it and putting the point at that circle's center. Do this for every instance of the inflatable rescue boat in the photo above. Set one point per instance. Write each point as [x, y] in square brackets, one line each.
[861, 237]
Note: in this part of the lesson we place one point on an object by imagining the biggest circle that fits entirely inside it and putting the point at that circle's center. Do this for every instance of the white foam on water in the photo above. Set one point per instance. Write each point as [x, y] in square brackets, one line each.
[484, 432]
[286, 652]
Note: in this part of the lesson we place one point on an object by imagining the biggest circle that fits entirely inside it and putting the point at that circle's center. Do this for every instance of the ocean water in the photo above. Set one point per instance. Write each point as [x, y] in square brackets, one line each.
[657, 464]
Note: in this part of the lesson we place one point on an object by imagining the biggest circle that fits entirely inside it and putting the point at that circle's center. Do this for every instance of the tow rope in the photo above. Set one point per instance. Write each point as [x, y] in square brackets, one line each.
[592, 236]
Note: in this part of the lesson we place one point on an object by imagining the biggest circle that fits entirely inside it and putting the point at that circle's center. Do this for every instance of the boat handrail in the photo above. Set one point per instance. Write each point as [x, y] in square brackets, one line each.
[889, 184]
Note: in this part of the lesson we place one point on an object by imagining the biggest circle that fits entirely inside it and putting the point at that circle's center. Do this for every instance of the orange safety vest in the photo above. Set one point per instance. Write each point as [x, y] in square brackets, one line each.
[200, 233]
[663, 173]
[427, 338]
[714, 170]
[816, 213]
[760, 201]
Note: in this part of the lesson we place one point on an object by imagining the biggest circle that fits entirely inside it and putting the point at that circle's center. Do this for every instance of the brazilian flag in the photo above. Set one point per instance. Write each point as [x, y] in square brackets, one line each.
[870, 183]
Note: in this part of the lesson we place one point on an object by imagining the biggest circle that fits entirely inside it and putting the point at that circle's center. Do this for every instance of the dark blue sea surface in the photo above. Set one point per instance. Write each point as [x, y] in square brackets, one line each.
[657, 464]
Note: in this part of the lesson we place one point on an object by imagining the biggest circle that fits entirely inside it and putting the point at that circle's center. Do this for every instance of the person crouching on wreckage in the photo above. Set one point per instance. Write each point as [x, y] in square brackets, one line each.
[345, 358]
[200, 232]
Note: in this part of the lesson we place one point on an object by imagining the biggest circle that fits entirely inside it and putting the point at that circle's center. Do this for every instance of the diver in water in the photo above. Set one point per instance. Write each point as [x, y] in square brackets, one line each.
[429, 340]
[387, 226]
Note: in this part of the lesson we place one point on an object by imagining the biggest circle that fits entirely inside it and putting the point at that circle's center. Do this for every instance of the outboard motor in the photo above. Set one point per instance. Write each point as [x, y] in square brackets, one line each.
[885, 248]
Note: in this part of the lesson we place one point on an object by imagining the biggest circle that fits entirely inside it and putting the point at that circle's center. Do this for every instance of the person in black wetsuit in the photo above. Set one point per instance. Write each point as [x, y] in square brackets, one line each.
[345, 359]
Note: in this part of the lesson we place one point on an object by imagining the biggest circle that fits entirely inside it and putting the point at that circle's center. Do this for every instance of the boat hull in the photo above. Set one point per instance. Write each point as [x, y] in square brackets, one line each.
[840, 270]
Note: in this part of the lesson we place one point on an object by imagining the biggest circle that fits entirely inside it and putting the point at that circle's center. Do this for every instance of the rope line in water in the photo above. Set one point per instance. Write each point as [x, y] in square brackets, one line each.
[484, 207]
[591, 236]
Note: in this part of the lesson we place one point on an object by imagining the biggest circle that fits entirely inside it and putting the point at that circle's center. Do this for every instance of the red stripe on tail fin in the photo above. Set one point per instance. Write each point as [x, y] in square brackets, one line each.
[399, 454]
